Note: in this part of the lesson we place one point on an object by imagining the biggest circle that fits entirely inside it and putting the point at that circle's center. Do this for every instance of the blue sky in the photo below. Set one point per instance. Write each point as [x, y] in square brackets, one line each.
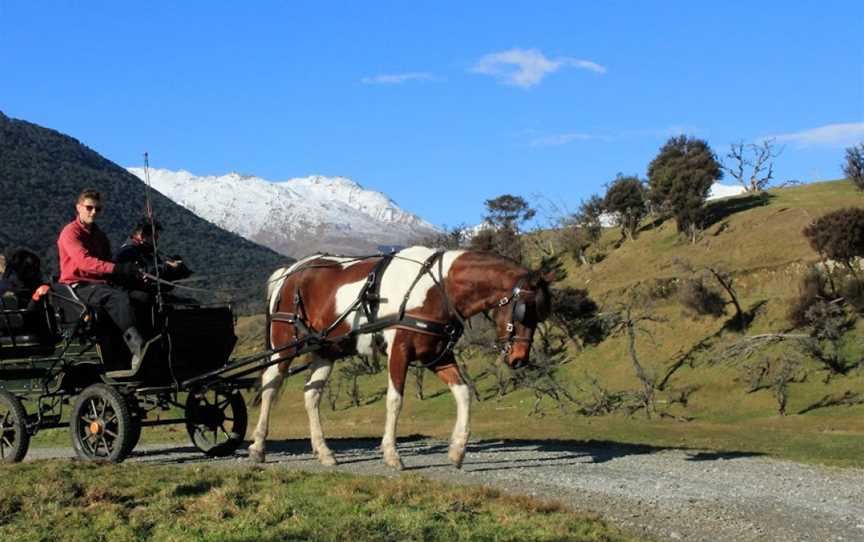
[441, 105]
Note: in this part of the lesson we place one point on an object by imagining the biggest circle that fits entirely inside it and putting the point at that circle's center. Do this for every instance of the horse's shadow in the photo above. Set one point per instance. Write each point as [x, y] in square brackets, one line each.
[482, 455]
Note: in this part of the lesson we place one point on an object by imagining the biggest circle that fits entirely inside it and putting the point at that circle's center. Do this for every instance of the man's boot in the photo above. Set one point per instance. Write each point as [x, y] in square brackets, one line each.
[138, 346]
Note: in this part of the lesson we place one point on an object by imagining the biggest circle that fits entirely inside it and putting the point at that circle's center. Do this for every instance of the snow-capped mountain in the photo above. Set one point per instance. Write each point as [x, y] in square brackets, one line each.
[297, 216]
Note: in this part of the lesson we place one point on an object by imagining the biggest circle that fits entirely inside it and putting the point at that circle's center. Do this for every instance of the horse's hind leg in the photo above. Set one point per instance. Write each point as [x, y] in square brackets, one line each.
[270, 381]
[320, 370]
[449, 373]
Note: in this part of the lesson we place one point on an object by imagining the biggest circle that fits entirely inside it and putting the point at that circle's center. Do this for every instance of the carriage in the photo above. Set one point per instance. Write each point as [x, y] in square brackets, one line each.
[63, 364]
[417, 301]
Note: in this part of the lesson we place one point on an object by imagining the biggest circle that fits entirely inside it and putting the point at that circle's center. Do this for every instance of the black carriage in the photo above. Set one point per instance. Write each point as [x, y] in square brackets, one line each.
[65, 365]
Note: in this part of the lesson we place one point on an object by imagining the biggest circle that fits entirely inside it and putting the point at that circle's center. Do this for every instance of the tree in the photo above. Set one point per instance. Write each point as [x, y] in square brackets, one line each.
[839, 235]
[508, 211]
[679, 179]
[625, 198]
[752, 165]
[583, 228]
[505, 215]
[854, 166]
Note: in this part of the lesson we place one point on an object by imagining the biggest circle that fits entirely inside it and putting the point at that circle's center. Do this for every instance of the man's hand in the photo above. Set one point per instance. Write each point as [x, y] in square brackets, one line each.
[127, 270]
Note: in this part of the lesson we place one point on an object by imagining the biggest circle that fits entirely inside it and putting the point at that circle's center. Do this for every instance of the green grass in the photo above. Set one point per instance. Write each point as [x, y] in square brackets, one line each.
[69, 501]
[763, 247]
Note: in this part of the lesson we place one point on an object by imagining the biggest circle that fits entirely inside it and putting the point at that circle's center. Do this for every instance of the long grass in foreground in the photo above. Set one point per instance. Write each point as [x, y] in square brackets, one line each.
[66, 501]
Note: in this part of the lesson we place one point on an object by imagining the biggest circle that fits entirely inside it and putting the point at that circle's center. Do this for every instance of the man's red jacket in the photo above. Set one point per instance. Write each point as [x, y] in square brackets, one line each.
[85, 254]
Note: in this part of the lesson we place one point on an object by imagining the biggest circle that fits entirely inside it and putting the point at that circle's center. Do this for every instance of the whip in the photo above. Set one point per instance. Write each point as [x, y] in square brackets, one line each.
[148, 208]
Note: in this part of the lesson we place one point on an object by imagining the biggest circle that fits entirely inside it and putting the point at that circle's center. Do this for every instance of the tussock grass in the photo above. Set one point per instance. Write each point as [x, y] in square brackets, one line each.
[71, 501]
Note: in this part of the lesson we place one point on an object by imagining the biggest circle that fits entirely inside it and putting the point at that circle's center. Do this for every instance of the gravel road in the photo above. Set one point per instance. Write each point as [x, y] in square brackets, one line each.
[656, 493]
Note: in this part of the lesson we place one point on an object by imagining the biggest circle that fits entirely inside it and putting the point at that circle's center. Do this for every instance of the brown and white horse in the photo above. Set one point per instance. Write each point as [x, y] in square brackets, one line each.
[429, 289]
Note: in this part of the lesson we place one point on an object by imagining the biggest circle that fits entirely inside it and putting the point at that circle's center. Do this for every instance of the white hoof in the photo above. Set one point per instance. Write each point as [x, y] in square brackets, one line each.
[326, 458]
[256, 456]
[456, 457]
[393, 461]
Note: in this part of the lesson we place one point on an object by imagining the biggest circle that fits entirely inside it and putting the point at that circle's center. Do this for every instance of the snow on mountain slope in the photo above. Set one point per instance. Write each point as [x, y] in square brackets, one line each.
[295, 217]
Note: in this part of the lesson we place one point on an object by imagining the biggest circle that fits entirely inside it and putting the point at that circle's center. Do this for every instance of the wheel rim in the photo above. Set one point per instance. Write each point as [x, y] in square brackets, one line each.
[8, 432]
[99, 427]
[216, 419]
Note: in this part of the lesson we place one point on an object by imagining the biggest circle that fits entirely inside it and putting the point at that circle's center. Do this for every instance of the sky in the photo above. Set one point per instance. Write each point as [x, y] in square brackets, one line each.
[440, 105]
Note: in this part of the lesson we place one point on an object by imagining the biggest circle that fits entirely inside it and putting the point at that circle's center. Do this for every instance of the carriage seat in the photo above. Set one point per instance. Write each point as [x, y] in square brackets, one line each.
[21, 325]
[71, 315]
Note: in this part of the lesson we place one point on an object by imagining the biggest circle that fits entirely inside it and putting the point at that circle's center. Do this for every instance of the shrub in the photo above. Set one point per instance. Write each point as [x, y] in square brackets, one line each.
[852, 291]
[838, 235]
[576, 313]
[812, 288]
[700, 299]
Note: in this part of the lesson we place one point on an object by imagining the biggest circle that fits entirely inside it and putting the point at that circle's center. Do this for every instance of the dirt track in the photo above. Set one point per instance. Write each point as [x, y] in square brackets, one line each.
[667, 494]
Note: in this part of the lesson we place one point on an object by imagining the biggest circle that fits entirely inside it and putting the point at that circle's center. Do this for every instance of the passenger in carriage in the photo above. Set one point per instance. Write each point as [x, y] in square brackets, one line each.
[86, 266]
[21, 288]
[139, 250]
[22, 275]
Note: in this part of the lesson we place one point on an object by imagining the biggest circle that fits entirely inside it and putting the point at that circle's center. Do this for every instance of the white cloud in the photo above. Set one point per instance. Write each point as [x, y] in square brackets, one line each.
[830, 135]
[527, 67]
[397, 78]
[555, 140]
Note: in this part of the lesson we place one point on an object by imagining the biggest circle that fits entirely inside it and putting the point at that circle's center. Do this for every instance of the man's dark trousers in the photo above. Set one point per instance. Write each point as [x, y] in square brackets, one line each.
[114, 300]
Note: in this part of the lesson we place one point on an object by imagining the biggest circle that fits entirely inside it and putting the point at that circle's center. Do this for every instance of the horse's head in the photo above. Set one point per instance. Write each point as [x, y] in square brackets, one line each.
[518, 315]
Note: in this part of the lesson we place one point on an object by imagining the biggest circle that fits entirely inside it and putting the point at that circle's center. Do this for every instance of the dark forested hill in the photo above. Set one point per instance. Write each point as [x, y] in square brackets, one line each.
[41, 173]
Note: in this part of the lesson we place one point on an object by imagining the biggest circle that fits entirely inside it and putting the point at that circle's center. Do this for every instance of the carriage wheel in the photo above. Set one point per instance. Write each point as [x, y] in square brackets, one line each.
[14, 438]
[135, 419]
[101, 424]
[216, 421]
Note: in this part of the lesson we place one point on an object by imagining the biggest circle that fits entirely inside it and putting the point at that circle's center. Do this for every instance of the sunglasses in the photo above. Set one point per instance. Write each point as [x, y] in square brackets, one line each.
[96, 208]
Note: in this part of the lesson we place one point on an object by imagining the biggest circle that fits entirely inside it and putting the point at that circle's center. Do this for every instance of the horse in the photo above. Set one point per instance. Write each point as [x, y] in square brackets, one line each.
[417, 302]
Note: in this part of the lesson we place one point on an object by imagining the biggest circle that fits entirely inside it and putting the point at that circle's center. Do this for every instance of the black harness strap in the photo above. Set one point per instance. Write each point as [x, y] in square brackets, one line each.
[369, 300]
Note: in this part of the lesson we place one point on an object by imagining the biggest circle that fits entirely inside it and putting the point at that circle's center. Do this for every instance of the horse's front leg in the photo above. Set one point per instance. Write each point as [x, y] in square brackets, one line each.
[270, 381]
[449, 373]
[398, 369]
[320, 371]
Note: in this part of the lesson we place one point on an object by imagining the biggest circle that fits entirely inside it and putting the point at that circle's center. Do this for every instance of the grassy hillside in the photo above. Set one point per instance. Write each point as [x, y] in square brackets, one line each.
[762, 245]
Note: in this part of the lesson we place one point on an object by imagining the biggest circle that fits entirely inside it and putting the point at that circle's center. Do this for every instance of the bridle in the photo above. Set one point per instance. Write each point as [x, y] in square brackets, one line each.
[517, 314]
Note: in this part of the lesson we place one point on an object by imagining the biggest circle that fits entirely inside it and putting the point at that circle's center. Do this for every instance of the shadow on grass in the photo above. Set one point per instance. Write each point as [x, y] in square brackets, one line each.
[718, 210]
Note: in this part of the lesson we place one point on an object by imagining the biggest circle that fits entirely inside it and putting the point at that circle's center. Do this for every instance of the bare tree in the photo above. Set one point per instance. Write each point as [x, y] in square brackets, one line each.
[752, 164]
[854, 166]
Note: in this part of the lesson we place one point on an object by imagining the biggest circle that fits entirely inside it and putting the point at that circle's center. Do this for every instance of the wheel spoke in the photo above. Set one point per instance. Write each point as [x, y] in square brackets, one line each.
[104, 405]
[95, 414]
[227, 434]
[111, 434]
[107, 447]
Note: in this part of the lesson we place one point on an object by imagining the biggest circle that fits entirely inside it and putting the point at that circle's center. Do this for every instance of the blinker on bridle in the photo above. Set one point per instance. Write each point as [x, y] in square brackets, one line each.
[517, 314]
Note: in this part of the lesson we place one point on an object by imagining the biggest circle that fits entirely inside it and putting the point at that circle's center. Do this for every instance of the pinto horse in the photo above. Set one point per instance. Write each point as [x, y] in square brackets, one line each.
[411, 305]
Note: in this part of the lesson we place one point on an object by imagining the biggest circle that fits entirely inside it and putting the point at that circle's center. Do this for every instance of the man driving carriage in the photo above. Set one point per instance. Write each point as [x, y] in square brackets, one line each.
[86, 266]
